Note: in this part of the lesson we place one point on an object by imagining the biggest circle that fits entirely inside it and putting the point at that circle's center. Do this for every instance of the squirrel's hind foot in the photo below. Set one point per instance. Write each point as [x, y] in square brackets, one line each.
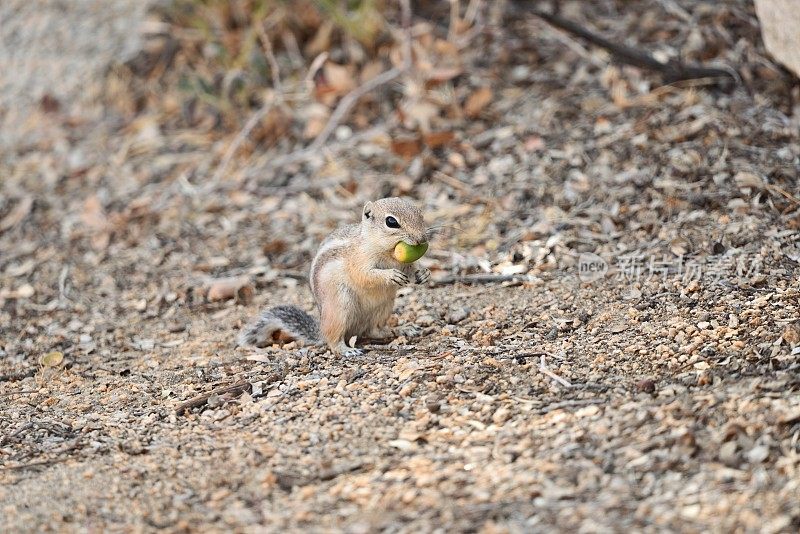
[410, 330]
[346, 351]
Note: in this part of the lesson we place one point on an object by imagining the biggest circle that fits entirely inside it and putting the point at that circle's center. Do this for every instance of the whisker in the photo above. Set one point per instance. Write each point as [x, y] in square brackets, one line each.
[436, 230]
[440, 226]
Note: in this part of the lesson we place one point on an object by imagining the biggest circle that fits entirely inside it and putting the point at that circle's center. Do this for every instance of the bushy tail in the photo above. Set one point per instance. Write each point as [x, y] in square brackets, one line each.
[280, 323]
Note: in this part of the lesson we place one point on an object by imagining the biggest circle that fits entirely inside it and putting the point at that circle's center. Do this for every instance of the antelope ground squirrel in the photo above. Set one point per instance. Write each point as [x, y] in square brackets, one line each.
[354, 277]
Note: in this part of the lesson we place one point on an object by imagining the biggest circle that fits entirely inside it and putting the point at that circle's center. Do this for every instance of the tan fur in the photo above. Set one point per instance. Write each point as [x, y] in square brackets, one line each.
[354, 276]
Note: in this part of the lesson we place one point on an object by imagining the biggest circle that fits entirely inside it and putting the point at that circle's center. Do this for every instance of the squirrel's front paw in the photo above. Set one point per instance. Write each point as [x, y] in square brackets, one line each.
[398, 277]
[422, 275]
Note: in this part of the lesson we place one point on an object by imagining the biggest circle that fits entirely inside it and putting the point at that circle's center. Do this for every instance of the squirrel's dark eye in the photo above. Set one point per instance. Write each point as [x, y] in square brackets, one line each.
[391, 222]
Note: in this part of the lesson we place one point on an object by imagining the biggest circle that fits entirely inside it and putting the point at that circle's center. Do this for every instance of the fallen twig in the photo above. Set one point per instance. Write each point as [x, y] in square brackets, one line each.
[21, 392]
[17, 432]
[294, 275]
[18, 376]
[288, 480]
[270, 55]
[672, 70]
[40, 463]
[547, 372]
[316, 64]
[479, 279]
[464, 187]
[69, 448]
[785, 193]
[569, 404]
[330, 474]
[201, 400]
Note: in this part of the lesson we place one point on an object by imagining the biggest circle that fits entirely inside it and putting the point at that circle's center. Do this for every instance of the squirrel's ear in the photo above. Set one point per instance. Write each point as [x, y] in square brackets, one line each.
[368, 210]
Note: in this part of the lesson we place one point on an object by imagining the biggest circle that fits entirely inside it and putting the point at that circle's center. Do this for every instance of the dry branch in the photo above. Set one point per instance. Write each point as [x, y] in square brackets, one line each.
[547, 372]
[672, 70]
[479, 279]
[270, 55]
[13, 377]
[42, 463]
[201, 400]
[21, 392]
[570, 404]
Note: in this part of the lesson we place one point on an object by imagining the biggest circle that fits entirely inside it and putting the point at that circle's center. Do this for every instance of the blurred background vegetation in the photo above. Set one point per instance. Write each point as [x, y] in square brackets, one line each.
[217, 53]
[209, 66]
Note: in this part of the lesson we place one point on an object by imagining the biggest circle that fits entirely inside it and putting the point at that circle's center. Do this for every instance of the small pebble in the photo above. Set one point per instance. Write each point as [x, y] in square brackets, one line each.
[646, 386]
[214, 401]
[457, 315]
[425, 320]
[757, 454]
[727, 454]
[501, 415]
[176, 326]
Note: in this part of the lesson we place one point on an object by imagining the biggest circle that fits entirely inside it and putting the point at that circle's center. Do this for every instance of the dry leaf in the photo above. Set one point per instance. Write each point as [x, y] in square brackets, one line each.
[745, 179]
[679, 246]
[406, 148]
[321, 41]
[370, 70]
[94, 218]
[437, 139]
[443, 74]
[792, 333]
[446, 48]
[238, 288]
[477, 101]
[418, 114]
[316, 119]
[25, 291]
[338, 78]
[534, 143]
[276, 246]
[273, 127]
[683, 131]
[52, 359]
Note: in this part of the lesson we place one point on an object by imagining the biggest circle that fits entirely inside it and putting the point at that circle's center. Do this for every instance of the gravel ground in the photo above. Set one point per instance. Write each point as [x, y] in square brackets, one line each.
[662, 396]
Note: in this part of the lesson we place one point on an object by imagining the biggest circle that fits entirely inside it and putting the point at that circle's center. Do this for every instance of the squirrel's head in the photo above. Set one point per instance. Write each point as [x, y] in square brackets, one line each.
[390, 220]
